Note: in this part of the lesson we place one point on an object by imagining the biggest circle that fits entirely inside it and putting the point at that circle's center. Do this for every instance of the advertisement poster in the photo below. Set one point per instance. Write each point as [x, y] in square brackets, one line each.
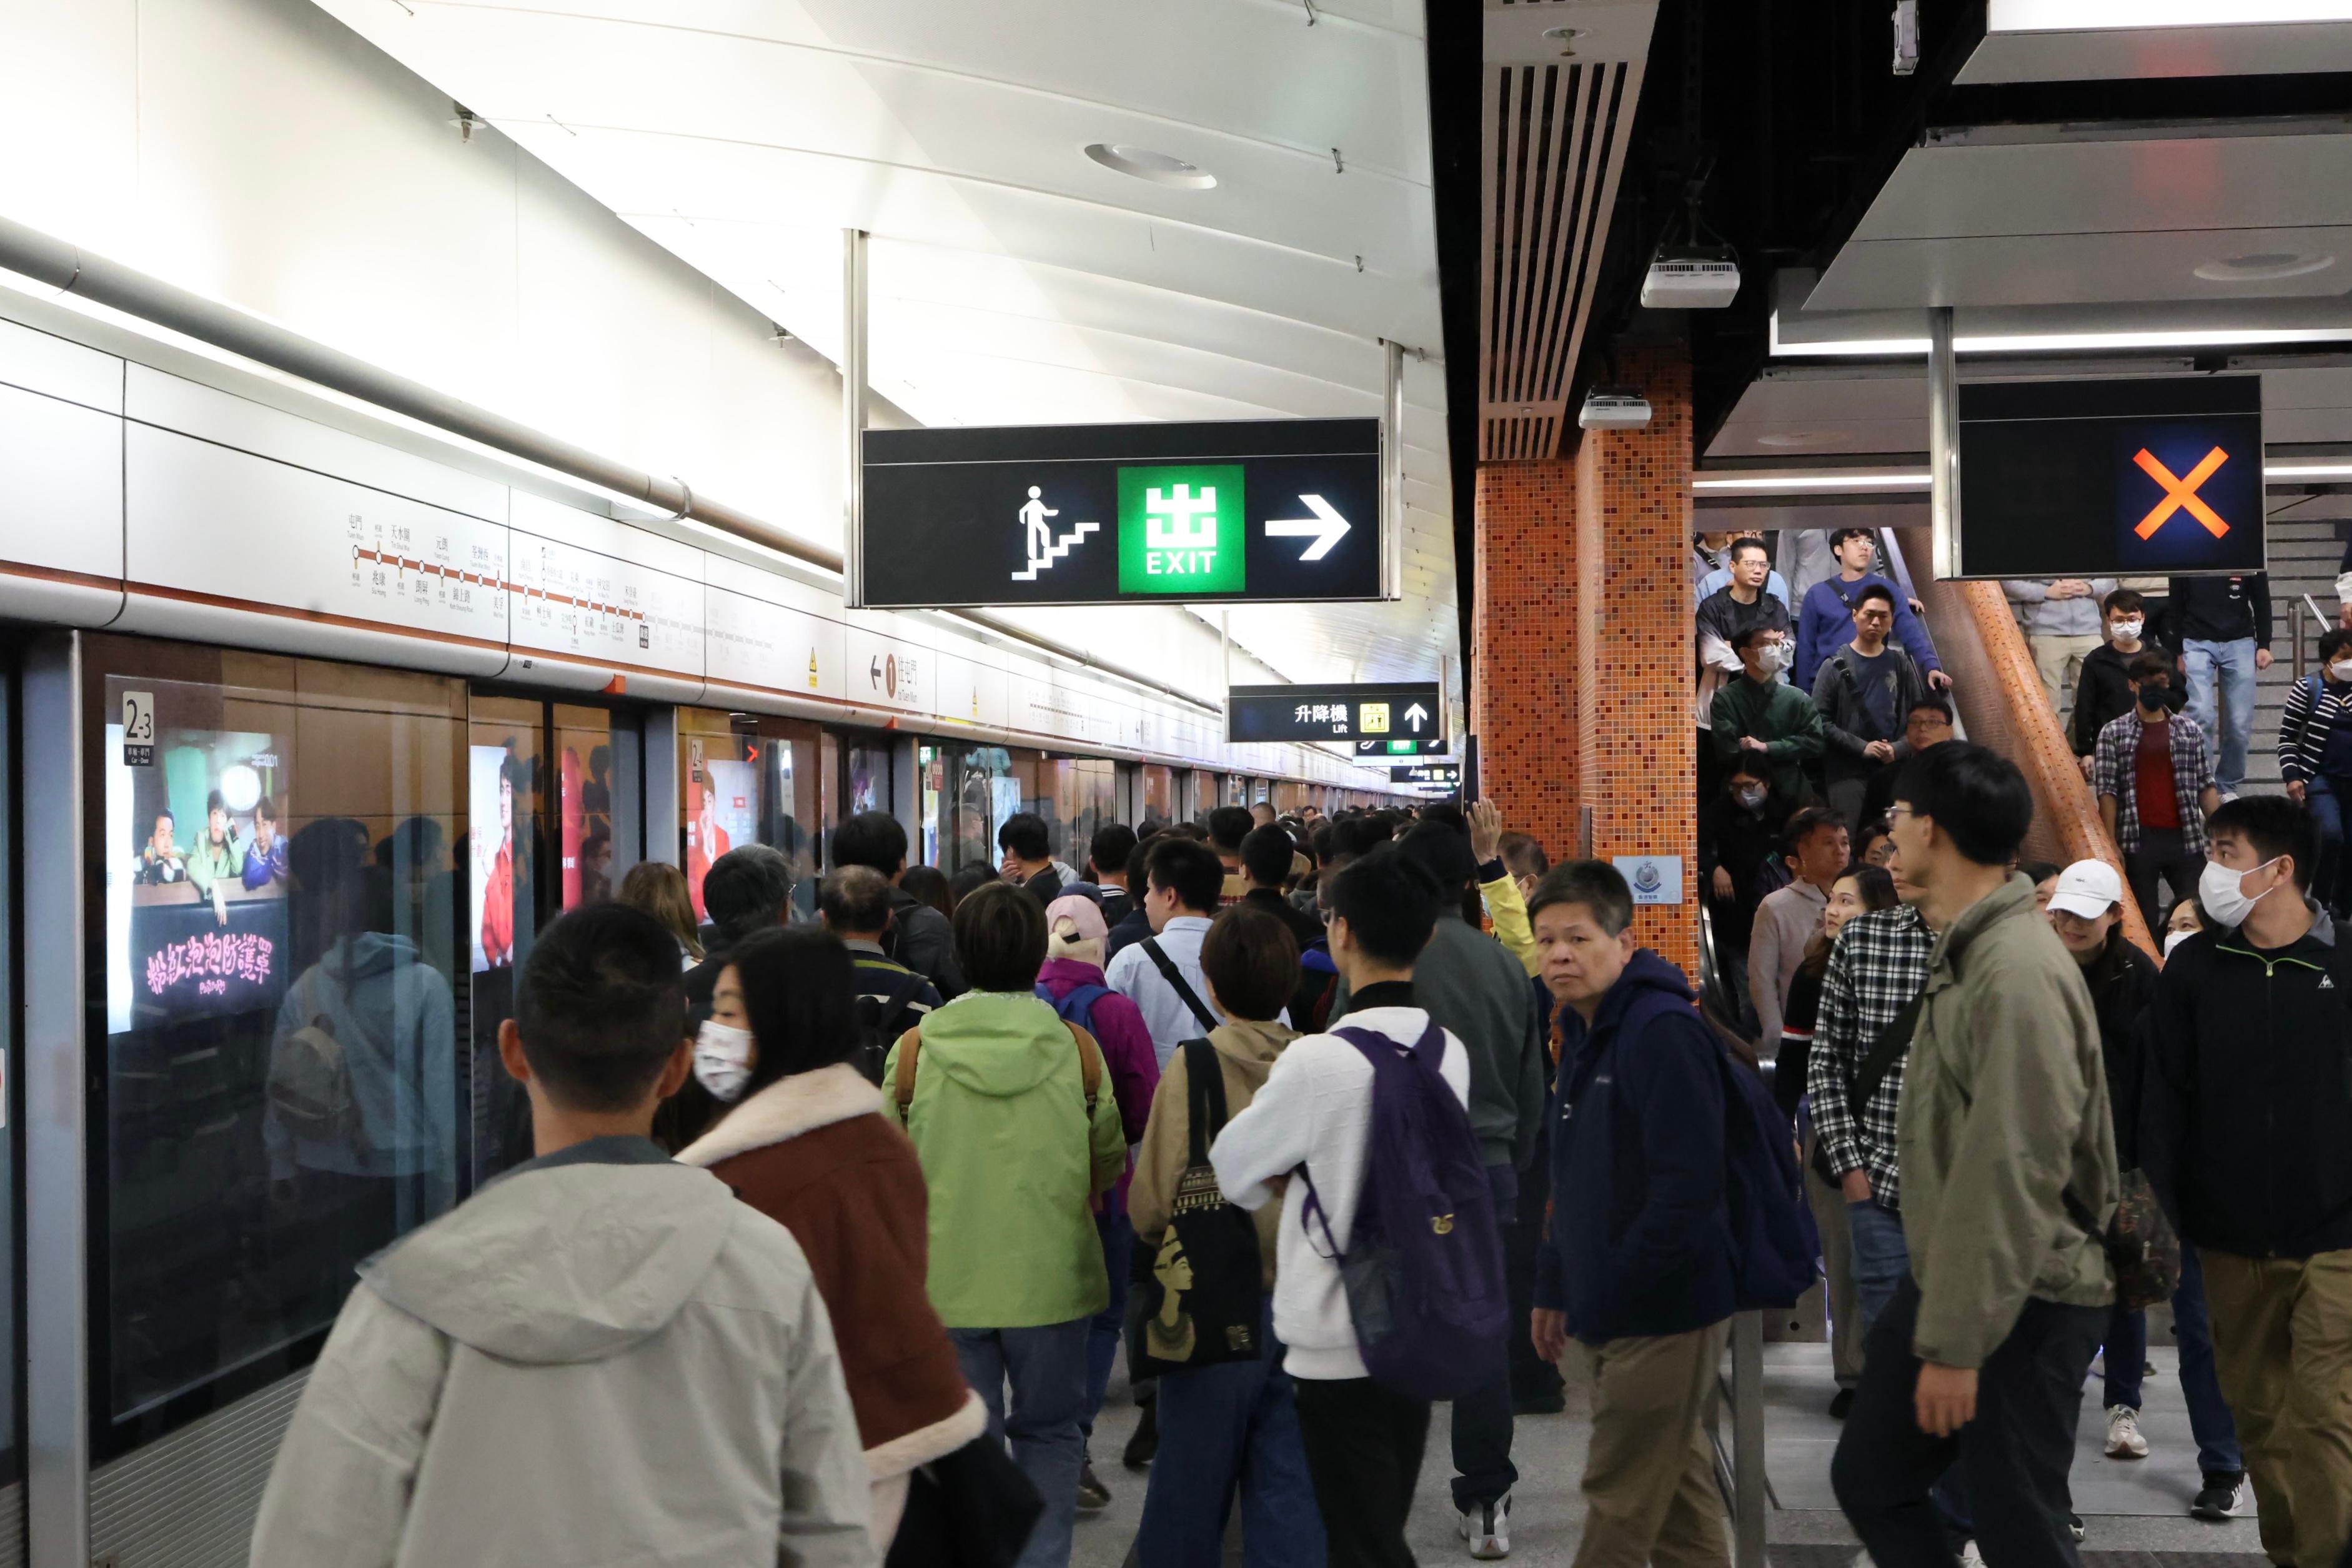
[196, 919]
[722, 809]
[489, 790]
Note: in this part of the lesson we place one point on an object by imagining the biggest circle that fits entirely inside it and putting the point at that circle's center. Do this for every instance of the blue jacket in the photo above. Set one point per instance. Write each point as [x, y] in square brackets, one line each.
[1825, 624]
[1640, 1241]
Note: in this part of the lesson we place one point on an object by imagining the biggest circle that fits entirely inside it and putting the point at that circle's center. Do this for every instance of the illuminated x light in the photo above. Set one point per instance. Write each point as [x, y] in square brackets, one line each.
[2179, 493]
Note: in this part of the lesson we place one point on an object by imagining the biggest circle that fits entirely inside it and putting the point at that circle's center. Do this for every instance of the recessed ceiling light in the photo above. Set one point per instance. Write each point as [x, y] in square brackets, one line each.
[2265, 267]
[1566, 35]
[1159, 168]
[1801, 437]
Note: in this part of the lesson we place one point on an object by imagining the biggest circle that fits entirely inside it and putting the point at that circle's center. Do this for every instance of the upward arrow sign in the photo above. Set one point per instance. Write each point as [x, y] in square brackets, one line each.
[1416, 716]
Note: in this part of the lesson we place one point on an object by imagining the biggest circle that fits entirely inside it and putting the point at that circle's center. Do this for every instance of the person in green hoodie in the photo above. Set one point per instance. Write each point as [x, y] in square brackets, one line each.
[1013, 1118]
[1765, 720]
[217, 855]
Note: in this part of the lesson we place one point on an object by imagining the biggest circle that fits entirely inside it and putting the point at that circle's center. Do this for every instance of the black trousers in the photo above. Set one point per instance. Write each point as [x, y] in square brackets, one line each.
[2015, 1453]
[2160, 854]
[1363, 1448]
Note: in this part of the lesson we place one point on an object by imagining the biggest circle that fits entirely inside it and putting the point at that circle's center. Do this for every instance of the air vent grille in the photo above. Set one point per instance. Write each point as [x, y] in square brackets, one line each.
[1554, 147]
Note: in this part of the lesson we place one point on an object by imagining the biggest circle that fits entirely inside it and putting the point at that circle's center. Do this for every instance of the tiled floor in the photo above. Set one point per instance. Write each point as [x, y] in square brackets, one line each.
[2137, 1511]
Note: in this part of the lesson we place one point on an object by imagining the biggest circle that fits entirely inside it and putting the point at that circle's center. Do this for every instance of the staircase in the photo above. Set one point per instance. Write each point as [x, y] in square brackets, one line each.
[1063, 545]
[2304, 557]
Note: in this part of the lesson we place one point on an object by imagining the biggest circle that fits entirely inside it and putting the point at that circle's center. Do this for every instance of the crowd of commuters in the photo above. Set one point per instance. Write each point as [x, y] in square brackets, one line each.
[972, 1140]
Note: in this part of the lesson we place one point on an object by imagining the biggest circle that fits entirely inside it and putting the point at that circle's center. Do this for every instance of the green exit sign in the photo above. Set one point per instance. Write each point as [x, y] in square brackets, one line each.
[1181, 530]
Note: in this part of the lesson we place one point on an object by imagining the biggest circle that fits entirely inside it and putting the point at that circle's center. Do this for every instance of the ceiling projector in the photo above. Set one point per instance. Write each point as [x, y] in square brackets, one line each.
[1691, 279]
[1613, 408]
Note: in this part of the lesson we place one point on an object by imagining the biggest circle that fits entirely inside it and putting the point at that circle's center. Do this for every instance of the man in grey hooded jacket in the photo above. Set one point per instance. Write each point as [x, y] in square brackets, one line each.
[602, 1357]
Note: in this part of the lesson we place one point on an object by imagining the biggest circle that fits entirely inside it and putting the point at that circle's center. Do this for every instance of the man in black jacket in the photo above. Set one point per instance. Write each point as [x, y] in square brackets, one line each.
[2104, 693]
[919, 935]
[2219, 630]
[2246, 1135]
[1865, 691]
[1029, 857]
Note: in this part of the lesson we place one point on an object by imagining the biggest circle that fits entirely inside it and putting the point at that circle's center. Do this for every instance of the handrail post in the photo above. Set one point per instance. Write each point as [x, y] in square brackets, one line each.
[1748, 1439]
[2298, 640]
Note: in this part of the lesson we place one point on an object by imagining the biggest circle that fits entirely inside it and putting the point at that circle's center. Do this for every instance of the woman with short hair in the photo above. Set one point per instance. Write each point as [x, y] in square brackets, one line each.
[1231, 1428]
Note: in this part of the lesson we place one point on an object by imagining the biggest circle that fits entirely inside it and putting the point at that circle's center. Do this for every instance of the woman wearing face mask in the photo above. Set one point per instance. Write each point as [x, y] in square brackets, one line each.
[807, 1144]
[2185, 921]
[2314, 757]
[2104, 693]
[2085, 910]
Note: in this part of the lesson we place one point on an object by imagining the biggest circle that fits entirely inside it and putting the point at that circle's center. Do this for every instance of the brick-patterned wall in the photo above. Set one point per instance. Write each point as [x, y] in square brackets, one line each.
[1523, 702]
[1583, 669]
[1633, 650]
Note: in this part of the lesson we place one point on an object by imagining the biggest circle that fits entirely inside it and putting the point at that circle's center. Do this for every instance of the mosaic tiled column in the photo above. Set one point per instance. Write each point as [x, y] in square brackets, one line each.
[1635, 675]
[1523, 700]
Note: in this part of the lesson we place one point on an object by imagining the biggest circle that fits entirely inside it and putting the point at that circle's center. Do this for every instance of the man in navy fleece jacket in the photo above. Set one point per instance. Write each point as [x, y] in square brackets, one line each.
[1636, 1271]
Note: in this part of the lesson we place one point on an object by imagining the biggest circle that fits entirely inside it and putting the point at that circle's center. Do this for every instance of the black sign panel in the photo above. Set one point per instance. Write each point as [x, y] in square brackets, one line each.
[1271, 509]
[2159, 476]
[1427, 746]
[1447, 773]
[1334, 713]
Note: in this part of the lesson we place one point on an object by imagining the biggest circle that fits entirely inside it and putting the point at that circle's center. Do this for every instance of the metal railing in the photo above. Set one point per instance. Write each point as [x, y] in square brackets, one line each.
[1739, 1464]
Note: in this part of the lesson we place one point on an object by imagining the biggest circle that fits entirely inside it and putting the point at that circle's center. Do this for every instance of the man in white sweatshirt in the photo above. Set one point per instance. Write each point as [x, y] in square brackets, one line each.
[1363, 1440]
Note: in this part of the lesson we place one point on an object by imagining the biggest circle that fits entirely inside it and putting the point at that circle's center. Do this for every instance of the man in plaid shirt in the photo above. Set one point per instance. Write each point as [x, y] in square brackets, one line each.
[2154, 776]
[1878, 966]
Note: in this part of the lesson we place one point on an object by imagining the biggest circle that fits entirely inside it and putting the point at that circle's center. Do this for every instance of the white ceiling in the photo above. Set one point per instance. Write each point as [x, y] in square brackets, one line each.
[2080, 40]
[1012, 280]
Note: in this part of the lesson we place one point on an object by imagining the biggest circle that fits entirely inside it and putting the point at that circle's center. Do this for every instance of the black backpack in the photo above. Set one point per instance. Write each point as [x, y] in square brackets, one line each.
[880, 1021]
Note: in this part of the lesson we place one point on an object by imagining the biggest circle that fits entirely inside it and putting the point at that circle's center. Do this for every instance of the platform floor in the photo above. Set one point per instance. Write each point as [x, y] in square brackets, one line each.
[2138, 1512]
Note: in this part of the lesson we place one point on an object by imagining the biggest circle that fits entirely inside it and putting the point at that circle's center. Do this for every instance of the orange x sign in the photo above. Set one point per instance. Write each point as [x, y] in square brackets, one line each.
[2181, 493]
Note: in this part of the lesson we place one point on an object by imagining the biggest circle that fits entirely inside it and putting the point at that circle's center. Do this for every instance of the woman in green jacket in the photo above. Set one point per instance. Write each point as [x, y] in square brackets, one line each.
[1013, 1119]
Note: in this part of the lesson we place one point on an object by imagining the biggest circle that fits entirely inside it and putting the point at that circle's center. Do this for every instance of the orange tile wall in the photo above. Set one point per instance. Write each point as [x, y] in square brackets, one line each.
[1584, 666]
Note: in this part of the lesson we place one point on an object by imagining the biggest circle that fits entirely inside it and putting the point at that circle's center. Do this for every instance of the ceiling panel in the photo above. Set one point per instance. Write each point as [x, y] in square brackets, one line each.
[2087, 268]
[1012, 279]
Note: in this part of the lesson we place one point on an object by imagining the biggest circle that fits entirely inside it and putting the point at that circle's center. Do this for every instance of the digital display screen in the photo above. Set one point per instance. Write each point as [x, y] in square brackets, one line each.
[196, 873]
[1279, 510]
[2127, 477]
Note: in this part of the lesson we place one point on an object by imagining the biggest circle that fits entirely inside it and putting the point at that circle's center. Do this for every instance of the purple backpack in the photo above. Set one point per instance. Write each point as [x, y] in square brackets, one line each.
[1424, 1267]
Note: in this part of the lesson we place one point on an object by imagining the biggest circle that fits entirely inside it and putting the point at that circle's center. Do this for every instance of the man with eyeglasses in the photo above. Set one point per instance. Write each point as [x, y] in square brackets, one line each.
[1864, 691]
[1830, 604]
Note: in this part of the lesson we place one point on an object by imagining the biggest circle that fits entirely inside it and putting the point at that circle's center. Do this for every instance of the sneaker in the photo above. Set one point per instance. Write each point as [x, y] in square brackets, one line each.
[1841, 1402]
[1539, 1402]
[2075, 1526]
[1093, 1496]
[2124, 1441]
[2223, 1496]
[1486, 1526]
[1969, 1556]
[1141, 1447]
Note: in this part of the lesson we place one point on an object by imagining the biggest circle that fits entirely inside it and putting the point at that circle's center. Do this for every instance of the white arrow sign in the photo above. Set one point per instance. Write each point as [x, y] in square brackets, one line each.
[1416, 716]
[1326, 528]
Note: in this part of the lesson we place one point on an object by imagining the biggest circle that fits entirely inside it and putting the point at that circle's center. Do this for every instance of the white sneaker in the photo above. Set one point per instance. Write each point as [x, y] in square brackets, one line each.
[1487, 1528]
[1970, 1557]
[2124, 1441]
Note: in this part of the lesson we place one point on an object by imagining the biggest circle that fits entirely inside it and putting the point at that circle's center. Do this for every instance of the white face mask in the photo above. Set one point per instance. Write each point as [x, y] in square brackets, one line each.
[2128, 631]
[1773, 657]
[2340, 670]
[1750, 798]
[2219, 890]
[2175, 940]
[722, 1060]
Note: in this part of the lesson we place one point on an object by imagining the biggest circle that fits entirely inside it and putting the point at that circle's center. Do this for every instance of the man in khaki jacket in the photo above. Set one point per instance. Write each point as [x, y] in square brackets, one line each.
[1979, 1359]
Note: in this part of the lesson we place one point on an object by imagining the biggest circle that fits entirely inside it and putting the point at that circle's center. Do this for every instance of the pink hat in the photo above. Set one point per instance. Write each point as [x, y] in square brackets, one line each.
[1081, 910]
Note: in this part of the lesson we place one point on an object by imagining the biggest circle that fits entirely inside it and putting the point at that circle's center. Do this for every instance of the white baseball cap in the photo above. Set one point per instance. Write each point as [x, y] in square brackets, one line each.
[2088, 888]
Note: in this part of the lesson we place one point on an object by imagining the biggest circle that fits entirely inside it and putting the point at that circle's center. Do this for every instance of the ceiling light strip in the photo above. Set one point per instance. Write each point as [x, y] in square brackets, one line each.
[1795, 484]
[2056, 343]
